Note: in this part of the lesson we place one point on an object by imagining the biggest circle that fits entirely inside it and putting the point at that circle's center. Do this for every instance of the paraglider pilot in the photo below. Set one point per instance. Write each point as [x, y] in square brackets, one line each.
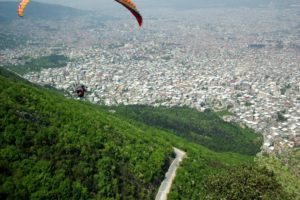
[80, 91]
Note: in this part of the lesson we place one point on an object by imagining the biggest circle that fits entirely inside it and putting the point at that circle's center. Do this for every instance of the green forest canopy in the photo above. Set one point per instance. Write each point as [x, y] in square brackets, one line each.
[37, 64]
[55, 148]
[205, 128]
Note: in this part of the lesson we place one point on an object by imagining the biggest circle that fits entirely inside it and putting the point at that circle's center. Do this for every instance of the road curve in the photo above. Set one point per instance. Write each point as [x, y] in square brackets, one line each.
[165, 186]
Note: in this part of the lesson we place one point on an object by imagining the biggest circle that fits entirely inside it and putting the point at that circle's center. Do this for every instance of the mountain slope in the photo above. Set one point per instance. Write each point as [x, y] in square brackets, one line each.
[205, 174]
[57, 148]
[205, 128]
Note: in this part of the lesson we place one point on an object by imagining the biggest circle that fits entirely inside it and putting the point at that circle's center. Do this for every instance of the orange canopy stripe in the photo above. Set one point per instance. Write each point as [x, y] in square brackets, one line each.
[126, 3]
[22, 6]
[133, 9]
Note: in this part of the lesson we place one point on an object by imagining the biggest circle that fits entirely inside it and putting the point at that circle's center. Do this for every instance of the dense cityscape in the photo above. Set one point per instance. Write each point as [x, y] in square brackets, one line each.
[246, 61]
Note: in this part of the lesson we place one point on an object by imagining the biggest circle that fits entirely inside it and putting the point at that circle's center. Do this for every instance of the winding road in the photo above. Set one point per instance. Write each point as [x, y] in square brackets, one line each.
[165, 186]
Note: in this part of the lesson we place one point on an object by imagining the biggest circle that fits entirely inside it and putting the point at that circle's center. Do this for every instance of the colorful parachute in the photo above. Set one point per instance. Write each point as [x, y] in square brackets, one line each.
[133, 9]
[22, 7]
[127, 3]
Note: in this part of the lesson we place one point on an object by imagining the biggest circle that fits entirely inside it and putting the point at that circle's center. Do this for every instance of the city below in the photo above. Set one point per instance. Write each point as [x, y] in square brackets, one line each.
[246, 61]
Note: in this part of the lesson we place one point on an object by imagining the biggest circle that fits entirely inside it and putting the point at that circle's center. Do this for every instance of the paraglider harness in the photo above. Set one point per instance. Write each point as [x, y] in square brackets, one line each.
[80, 91]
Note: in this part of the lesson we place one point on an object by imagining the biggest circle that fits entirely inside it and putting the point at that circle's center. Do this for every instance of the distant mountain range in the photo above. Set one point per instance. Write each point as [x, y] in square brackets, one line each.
[8, 11]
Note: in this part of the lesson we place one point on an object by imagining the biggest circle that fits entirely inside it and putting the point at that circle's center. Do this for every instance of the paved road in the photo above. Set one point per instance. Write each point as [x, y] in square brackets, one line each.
[165, 186]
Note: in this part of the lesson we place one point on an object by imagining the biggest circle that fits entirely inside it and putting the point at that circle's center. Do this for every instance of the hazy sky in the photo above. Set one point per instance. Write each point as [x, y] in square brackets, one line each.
[145, 4]
[87, 4]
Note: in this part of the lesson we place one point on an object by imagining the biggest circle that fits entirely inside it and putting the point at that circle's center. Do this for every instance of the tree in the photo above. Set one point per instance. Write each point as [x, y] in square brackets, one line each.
[244, 182]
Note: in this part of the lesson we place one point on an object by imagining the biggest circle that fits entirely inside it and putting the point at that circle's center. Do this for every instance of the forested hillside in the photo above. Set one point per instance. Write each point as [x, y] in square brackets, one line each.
[37, 64]
[56, 148]
[206, 174]
[205, 128]
[53, 148]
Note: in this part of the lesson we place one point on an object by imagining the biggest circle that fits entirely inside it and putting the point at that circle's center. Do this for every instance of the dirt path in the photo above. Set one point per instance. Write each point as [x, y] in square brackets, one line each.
[165, 186]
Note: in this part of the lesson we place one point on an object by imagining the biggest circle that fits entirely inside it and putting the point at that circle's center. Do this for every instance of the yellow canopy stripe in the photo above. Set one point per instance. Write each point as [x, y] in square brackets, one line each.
[22, 7]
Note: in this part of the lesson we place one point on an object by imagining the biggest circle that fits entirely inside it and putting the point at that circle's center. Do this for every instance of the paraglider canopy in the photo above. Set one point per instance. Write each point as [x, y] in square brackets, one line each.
[133, 9]
[22, 6]
[126, 3]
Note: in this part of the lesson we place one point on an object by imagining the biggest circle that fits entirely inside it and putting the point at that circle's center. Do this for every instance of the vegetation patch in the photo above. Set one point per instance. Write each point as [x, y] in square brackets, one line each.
[8, 41]
[37, 64]
[205, 128]
[243, 182]
[286, 168]
[55, 148]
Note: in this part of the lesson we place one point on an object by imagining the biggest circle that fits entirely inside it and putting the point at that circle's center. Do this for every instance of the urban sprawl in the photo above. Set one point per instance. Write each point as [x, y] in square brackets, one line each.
[246, 61]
